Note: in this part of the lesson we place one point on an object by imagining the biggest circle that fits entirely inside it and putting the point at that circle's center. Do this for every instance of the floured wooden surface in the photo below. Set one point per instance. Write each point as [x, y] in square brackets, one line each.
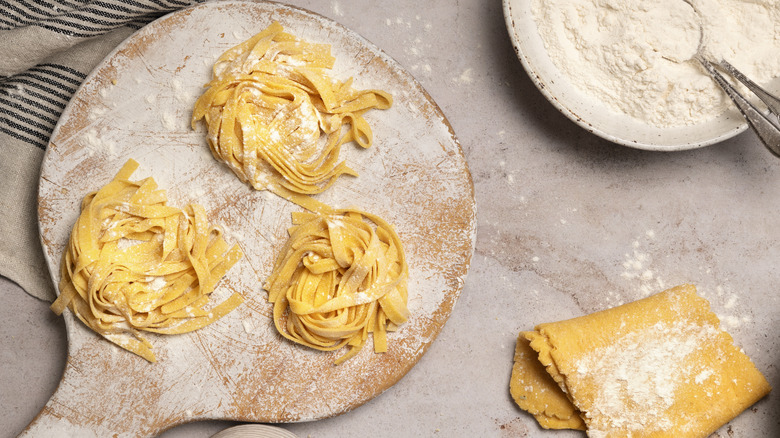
[137, 104]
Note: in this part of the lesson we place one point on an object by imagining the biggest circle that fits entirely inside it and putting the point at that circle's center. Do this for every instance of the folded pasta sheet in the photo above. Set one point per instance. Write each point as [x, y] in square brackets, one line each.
[657, 367]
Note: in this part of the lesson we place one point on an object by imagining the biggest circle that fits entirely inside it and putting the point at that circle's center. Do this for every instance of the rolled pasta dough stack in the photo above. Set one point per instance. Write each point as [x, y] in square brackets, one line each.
[660, 366]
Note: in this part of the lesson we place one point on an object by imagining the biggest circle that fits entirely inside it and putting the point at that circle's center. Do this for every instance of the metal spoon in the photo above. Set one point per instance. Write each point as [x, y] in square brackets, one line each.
[767, 126]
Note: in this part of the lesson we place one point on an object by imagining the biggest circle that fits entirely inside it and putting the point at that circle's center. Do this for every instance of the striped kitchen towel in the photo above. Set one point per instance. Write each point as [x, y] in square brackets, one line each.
[47, 48]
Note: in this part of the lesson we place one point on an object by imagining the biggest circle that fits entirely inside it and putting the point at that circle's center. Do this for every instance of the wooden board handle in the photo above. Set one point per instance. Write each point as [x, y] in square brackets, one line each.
[67, 414]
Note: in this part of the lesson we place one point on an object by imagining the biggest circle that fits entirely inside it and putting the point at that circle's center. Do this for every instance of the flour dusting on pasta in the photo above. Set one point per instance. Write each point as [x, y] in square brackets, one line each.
[269, 103]
[135, 264]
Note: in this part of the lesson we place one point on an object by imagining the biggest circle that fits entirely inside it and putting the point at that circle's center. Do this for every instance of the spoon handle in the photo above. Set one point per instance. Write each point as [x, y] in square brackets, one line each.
[772, 102]
[767, 129]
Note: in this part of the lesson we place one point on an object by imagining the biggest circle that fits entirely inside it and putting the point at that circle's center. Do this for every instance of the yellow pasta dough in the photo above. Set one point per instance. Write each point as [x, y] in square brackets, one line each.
[536, 392]
[340, 276]
[278, 120]
[269, 102]
[657, 367]
[135, 264]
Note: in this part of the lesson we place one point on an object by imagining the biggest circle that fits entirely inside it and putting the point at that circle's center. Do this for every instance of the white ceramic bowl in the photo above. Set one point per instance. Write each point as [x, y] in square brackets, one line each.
[254, 431]
[594, 115]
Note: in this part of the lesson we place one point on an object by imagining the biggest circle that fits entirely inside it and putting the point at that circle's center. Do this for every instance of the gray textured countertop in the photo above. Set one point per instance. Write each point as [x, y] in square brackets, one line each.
[568, 224]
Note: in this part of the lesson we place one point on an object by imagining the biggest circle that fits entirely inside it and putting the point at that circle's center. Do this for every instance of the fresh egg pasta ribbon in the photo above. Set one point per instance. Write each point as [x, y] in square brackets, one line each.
[278, 120]
[134, 264]
[340, 276]
[267, 106]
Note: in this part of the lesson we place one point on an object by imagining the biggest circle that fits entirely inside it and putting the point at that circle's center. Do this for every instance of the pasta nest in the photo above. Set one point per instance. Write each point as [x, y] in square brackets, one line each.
[339, 277]
[277, 118]
[134, 264]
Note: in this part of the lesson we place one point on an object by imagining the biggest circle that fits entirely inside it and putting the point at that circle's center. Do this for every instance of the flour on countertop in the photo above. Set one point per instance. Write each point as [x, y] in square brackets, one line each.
[415, 46]
[634, 55]
[636, 266]
[337, 10]
[465, 77]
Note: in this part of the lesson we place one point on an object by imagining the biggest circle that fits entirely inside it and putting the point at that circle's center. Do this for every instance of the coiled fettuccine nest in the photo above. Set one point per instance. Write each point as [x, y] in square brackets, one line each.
[267, 105]
[135, 264]
[340, 277]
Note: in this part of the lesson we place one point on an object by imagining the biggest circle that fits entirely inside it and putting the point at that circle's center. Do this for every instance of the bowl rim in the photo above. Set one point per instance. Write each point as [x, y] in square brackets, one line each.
[547, 88]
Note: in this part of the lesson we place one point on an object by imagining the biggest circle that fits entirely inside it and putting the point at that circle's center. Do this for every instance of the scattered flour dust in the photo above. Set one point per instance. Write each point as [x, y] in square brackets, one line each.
[634, 55]
[99, 142]
[168, 121]
[337, 10]
[465, 78]
[510, 177]
[727, 312]
[625, 375]
[638, 267]
[417, 34]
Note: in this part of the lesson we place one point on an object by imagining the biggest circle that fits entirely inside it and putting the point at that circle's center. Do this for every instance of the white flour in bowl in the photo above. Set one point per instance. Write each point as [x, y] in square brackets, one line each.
[634, 55]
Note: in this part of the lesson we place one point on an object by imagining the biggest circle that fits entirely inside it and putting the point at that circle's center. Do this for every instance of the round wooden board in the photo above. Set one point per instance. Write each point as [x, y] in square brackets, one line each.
[137, 104]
